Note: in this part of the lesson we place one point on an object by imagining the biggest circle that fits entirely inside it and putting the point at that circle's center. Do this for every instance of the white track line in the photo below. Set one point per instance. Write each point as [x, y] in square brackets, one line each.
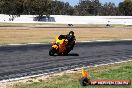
[25, 44]
[107, 40]
[112, 63]
[78, 41]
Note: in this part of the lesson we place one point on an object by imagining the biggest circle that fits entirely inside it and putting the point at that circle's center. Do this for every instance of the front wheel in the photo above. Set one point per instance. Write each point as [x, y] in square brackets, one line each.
[85, 81]
[52, 52]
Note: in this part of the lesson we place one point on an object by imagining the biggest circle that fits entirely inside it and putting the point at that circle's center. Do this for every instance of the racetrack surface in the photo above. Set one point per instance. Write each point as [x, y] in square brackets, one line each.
[26, 60]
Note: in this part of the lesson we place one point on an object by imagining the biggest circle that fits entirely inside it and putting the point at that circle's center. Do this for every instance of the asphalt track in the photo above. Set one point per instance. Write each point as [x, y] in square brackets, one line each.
[26, 60]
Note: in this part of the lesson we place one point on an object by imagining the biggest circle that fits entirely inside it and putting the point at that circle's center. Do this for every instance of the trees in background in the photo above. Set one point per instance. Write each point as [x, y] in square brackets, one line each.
[58, 7]
[11, 7]
[55, 7]
[40, 7]
[36, 7]
[109, 9]
[125, 8]
[88, 7]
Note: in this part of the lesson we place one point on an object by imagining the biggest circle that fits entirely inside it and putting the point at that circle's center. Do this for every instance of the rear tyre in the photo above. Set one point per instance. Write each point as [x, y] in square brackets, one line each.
[72, 45]
[65, 53]
[52, 52]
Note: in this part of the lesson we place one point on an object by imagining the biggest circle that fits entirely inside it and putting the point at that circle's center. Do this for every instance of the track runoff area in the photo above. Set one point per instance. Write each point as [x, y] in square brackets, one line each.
[31, 60]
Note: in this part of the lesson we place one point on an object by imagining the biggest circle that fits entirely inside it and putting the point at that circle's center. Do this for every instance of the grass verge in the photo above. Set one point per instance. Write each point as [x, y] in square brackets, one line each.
[115, 71]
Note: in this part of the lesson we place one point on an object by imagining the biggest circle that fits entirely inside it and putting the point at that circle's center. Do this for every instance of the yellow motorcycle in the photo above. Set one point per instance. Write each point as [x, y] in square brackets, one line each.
[63, 44]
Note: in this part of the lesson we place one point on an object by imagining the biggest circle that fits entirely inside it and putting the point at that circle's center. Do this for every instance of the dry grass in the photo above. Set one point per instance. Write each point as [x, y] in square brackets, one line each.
[27, 34]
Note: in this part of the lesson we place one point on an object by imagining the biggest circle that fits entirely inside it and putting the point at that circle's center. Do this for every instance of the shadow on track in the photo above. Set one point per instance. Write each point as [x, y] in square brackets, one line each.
[73, 54]
[70, 54]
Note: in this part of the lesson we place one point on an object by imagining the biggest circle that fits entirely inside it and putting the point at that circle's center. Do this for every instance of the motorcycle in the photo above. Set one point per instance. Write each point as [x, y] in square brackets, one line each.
[63, 44]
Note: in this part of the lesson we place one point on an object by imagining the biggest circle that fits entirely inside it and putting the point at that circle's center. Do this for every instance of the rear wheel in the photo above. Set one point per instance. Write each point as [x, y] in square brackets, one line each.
[70, 46]
[52, 52]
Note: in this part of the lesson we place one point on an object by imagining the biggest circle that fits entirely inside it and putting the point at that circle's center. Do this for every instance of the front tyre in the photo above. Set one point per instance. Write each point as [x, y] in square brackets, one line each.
[52, 52]
[84, 81]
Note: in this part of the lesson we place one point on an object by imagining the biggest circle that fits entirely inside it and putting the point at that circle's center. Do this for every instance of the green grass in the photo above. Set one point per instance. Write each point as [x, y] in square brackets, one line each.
[116, 71]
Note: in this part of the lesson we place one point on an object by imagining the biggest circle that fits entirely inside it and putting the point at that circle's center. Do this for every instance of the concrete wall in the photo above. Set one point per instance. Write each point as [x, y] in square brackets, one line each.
[64, 19]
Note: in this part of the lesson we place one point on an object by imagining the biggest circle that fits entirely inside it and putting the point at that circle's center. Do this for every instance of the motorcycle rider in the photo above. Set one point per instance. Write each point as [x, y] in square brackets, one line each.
[71, 39]
[63, 44]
